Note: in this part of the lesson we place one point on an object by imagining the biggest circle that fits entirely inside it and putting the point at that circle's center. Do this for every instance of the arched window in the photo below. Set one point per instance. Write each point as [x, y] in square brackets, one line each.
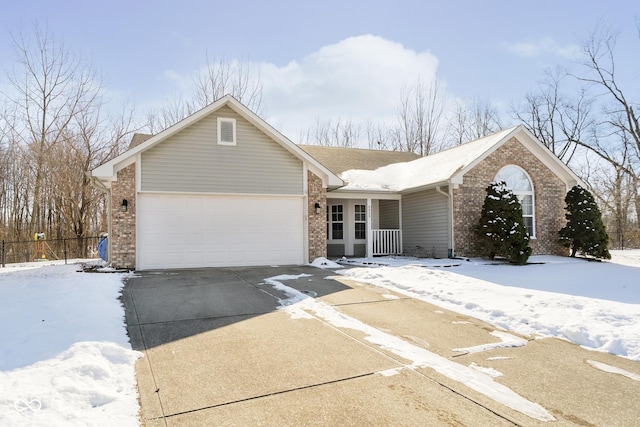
[518, 181]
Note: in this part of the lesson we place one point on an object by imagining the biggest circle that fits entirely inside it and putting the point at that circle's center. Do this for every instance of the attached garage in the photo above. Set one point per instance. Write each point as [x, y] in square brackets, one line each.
[188, 231]
[219, 188]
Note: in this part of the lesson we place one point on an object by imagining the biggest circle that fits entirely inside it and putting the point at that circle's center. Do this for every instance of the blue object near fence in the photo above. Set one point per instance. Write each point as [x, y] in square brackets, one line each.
[102, 248]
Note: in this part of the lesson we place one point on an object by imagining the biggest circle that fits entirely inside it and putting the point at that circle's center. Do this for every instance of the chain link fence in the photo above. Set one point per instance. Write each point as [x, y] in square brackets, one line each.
[48, 249]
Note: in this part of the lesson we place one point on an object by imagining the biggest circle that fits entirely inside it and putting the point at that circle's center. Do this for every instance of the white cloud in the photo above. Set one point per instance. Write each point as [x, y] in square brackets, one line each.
[180, 81]
[359, 78]
[543, 47]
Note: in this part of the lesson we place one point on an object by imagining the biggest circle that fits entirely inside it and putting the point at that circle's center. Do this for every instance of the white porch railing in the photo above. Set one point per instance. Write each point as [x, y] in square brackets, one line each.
[386, 242]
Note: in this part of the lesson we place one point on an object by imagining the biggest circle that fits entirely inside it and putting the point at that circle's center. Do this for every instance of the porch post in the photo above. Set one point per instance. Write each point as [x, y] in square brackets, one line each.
[400, 245]
[369, 232]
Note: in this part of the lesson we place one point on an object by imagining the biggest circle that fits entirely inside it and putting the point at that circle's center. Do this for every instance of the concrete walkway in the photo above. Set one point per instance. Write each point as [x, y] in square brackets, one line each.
[218, 352]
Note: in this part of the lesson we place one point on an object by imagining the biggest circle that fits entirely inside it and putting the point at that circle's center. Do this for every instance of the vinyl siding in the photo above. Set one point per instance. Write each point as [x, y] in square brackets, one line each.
[425, 225]
[389, 214]
[192, 161]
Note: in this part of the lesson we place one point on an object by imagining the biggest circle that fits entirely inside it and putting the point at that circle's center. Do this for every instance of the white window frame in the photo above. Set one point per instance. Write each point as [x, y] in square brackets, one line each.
[359, 218]
[222, 120]
[331, 221]
[520, 194]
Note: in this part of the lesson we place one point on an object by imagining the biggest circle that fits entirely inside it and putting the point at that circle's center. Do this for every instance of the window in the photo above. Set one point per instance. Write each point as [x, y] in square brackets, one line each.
[226, 131]
[335, 222]
[360, 222]
[518, 181]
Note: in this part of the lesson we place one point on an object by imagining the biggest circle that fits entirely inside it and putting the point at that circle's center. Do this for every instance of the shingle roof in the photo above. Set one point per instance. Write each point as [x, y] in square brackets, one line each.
[425, 171]
[139, 138]
[339, 160]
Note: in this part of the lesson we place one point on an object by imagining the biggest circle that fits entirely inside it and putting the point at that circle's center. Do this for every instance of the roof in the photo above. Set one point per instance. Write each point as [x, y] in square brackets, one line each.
[449, 166]
[107, 172]
[139, 138]
[339, 159]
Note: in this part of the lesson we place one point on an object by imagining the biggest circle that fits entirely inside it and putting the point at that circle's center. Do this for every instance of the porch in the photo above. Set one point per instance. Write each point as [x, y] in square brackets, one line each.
[364, 227]
[386, 242]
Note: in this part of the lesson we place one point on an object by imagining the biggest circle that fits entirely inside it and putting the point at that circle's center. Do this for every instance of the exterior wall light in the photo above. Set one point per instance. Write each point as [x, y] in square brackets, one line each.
[318, 208]
[124, 205]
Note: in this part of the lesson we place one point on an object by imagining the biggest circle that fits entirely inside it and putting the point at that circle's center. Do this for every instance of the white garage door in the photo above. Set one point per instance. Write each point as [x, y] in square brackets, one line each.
[204, 231]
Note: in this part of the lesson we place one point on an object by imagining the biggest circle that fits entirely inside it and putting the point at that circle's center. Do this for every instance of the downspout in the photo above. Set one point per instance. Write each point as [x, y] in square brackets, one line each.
[449, 196]
[100, 186]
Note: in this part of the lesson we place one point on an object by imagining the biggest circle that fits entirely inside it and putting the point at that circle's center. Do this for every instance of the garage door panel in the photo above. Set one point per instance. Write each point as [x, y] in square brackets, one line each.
[199, 231]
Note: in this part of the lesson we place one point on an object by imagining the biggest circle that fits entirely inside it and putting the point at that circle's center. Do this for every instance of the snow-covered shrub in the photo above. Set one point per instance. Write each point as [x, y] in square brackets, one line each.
[584, 232]
[501, 230]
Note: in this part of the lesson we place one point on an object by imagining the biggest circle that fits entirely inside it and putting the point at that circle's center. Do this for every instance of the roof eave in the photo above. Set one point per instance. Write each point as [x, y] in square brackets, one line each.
[332, 179]
[536, 147]
[425, 187]
[112, 167]
[363, 191]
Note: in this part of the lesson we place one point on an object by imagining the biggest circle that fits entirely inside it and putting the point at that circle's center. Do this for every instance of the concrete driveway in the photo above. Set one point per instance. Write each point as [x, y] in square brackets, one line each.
[219, 352]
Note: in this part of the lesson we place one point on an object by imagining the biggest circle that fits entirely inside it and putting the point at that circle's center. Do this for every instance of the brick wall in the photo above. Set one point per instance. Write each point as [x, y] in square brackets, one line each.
[549, 193]
[123, 224]
[317, 222]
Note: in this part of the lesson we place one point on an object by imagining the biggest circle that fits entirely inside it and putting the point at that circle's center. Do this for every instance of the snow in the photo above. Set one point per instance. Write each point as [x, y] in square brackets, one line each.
[299, 305]
[66, 359]
[429, 170]
[614, 370]
[489, 371]
[322, 262]
[593, 304]
[506, 341]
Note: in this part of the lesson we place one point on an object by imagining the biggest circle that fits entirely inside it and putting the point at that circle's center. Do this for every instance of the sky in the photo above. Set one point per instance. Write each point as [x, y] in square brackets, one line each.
[330, 59]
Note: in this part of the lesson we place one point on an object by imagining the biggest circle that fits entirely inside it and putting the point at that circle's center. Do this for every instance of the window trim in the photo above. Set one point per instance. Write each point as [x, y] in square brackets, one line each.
[359, 221]
[222, 120]
[520, 194]
[330, 221]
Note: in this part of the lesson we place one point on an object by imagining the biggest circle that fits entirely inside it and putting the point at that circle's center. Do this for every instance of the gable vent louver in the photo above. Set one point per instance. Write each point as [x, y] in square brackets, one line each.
[226, 132]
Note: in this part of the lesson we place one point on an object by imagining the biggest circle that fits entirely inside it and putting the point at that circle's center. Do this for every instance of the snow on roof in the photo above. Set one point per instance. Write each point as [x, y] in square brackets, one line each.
[429, 170]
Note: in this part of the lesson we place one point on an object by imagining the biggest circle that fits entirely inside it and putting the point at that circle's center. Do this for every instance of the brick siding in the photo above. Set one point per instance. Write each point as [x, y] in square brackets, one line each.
[549, 193]
[123, 224]
[317, 222]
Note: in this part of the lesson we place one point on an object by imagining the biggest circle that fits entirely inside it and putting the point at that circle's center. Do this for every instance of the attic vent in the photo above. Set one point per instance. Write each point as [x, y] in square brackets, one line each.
[226, 131]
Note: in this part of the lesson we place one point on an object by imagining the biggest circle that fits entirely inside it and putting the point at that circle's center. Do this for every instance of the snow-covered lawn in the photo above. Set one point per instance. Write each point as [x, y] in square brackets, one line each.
[593, 304]
[65, 358]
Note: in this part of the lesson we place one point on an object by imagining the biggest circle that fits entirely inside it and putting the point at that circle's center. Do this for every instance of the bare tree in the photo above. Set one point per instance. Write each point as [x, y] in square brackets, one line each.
[472, 120]
[219, 77]
[420, 116]
[172, 111]
[52, 130]
[558, 121]
[50, 88]
[332, 133]
[618, 130]
[382, 137]
[87, 144]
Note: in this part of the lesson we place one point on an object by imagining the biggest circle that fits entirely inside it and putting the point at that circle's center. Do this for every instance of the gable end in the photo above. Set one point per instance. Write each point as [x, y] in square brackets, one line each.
[193, 160]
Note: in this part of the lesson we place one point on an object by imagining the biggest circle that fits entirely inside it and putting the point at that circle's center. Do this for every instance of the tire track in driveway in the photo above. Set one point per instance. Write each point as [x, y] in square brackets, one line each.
[300, 305]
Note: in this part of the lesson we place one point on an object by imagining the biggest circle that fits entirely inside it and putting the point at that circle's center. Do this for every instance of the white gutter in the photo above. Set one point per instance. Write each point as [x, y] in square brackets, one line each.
[449, 196]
